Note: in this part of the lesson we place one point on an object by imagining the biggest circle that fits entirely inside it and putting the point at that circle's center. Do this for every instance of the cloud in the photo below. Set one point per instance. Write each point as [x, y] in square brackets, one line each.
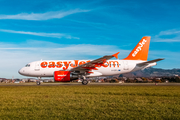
[15, 56]
[55, 50]
[170, 58]
[167, 36]
[166, 40]
[43, 16]
[53, 35]
[169, 32]
[16, 48]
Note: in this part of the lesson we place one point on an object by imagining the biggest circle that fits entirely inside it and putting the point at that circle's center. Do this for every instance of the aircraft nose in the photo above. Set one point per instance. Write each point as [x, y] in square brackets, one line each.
[21, 71]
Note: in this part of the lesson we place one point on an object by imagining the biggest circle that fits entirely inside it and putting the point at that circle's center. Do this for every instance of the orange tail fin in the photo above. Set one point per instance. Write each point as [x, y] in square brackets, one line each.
[140, 52]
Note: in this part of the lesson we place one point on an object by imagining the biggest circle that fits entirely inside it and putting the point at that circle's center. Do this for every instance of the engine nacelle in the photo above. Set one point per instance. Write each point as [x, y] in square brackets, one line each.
[64, 76]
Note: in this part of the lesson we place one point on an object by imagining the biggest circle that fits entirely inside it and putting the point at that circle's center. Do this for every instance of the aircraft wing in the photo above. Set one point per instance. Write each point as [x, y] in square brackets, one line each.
[148, 62]
[92, 64]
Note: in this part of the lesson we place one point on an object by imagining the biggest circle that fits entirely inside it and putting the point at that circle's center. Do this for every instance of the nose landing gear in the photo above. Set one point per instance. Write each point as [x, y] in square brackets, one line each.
[38, 81]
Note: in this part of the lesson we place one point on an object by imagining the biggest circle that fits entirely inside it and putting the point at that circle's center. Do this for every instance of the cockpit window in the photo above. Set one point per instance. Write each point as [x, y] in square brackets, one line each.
[28, 65]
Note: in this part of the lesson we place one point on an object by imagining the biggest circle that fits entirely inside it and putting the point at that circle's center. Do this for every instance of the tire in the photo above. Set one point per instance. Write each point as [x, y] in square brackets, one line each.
[38, 82]
[84, 82]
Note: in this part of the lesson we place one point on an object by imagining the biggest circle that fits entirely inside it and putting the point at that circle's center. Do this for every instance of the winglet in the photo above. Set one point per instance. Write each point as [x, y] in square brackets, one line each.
[116, 55]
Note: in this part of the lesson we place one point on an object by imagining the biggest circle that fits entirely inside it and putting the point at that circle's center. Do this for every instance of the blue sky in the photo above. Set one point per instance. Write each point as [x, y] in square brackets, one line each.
[69, 29]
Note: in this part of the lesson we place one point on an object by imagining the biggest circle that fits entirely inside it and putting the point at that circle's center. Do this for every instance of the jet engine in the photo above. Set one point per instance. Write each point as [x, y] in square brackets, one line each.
[64, 76]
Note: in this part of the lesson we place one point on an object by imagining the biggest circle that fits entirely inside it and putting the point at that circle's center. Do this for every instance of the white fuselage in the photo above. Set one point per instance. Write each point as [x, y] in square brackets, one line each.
[46, 68]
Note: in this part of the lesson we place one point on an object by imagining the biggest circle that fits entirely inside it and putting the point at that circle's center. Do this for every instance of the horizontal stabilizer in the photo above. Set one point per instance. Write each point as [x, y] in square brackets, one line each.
[148, 62]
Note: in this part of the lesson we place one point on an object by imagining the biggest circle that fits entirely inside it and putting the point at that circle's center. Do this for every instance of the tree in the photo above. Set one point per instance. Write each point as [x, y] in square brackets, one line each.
[144, 79]
[177, 79]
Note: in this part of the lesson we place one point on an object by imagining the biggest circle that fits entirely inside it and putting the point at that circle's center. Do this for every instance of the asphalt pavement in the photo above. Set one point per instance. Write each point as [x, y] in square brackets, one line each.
[91, 84]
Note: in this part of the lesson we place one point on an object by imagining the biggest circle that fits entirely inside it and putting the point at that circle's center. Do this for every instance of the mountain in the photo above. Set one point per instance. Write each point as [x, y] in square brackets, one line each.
[153, 72]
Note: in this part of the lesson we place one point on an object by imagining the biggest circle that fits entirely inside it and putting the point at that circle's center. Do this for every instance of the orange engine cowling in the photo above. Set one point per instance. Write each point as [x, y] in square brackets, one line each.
[62, 76]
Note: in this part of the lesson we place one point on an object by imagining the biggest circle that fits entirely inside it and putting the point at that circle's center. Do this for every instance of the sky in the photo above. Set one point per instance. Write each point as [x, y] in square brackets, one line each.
[86, 29]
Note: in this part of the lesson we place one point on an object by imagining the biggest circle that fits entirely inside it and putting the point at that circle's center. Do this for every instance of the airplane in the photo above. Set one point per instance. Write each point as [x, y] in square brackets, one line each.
[69, 70]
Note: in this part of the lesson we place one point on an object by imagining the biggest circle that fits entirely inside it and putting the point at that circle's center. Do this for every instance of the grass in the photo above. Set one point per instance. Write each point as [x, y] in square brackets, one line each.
[90, 102]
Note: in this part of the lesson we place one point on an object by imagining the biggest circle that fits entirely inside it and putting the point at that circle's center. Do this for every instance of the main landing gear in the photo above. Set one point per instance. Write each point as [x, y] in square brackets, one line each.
[84, 82]
[38, 81]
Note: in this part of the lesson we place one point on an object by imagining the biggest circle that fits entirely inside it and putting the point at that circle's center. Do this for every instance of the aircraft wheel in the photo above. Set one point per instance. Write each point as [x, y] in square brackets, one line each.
[84, 82]
[38, 82]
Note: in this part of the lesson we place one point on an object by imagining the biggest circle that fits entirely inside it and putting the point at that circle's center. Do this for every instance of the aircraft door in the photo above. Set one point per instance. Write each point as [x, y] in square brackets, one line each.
[37, 66]
[126, 66]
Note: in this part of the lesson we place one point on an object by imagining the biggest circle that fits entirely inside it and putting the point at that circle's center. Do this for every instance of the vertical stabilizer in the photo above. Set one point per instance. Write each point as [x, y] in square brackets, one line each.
[140, 52]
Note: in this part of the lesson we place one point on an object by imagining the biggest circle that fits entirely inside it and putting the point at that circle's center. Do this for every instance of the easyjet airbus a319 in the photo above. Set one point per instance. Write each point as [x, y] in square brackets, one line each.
[68, 70]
